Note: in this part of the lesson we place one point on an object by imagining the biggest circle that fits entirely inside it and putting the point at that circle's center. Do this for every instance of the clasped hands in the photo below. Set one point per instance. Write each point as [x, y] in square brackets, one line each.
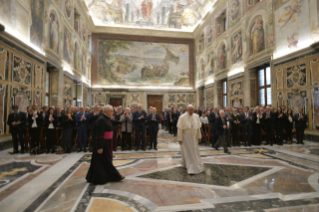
[16, 123]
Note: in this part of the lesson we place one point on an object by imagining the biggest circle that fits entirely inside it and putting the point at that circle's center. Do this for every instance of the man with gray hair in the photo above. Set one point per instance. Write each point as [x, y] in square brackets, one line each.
[221, 130]
[188, 137]
[139, 118]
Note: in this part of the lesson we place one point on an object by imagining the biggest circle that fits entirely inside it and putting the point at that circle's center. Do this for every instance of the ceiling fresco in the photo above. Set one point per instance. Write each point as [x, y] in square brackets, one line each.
[178, 15]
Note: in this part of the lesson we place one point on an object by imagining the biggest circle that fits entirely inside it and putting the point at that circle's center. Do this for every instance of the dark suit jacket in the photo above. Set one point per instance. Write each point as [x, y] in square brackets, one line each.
[212, 120]
[235, 118]
[92, 120]
[82, 124]
[175, 117]
[246, 122]
[302, 123]
[261, 120]
[154, 124]
[219, 125]
[270, 121]
[20, 117]
[43, 119]
[38, 120]
[47, 122]
[139, 122]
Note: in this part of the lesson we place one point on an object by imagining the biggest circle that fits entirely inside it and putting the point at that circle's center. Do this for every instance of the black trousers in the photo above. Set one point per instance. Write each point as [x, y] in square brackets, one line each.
[214, 137]
[221, 142]
[170, 127]
[269, 137]
[50, 138]
[35, 136]
[257, 134]
[289, 134]
[279, 134]
[15, 134]
[235, 131]
[300, 133]
[126, 140]
[174, 128]
[247, 134]
[140, 130]
[153, 137]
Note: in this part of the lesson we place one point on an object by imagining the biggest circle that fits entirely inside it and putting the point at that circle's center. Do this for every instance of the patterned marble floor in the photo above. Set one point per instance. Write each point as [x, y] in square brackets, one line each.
[269, 179]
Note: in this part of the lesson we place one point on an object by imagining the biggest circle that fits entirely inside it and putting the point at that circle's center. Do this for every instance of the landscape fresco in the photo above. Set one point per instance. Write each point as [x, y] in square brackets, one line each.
[143, 63]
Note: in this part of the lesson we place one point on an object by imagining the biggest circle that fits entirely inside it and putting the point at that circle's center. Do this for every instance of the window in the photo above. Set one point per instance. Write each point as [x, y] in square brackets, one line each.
[253, 2]
[225, 93]
[47, 88]
[264, 85]
[222, 23]
[76, 21]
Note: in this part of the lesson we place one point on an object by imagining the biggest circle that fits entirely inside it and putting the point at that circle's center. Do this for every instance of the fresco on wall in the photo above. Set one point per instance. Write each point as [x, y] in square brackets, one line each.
[3, 108]
[89, 68]
[280, 79]
[68, 8]
[297, 76]
[37, 14]
[236, 89]
[297, 100]
[54, 32]
[200, 44]
[67, 88]
[38, 76]
[315, 112]
[8, 13]
[21, 71]
[67, 52]
[314, 68]
[280, 99]
[209, 97]
[201, 68]
[4, 64]
[222, 56]
[211, 62]
[142, 63]
[37, 98]
[236, 48]
[76, 57]
[181, 98]
[237, 103]
[209, 33]
[257, 36]
[99, 99]
[84, 68]
[234, 12]
[58, 2]
[155, 14]
[21, 97]
[292, 24]
[84, 34]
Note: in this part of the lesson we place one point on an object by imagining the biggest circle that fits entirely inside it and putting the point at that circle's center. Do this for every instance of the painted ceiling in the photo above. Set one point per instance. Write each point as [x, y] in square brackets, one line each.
[175, 15]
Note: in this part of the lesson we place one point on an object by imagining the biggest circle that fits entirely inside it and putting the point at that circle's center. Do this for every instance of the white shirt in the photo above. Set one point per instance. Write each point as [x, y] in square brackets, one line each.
[258, 122]
[204, 120]
[34, 124]
[51, 124]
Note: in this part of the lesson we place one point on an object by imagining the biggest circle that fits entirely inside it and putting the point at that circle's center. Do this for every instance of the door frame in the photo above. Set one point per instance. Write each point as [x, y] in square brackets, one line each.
[150, 94]
[116, 96]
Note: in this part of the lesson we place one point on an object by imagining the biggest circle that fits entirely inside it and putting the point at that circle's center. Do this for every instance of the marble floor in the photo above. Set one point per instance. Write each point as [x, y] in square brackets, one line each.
[263, 178]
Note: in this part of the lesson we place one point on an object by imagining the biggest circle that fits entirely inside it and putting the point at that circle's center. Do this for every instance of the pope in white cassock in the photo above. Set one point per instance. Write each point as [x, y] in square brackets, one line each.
[188, 136]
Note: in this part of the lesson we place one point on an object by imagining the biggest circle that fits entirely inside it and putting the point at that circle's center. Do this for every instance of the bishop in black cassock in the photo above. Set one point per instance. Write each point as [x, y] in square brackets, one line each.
[101, 170]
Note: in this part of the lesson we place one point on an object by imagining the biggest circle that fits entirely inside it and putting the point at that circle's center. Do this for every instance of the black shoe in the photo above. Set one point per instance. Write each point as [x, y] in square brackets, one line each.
[53, 151]
[216, 148]
[155, 149]
[22, 151]
[84, 150]
[150, 149]
[249, 145]
[48, 151]
[302, 143]
[79, 150]
[227, 152]
[122, 178]
[143, 149]
[136, 149]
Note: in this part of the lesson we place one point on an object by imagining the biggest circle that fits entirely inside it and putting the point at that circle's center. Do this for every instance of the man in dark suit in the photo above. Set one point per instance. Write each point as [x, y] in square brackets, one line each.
[221, 130]
[212, 120]
[92, 120]
[153, 120]
[16, 122]
[139, 118]
[300, 124]
[246, 121]
[82, 126]
[269, 122]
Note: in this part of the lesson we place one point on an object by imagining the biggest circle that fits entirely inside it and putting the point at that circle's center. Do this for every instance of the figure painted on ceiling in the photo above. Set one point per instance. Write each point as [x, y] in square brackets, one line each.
[54, 33]
[257, 43]
[147, 8]
[222, 56]
[292, 10]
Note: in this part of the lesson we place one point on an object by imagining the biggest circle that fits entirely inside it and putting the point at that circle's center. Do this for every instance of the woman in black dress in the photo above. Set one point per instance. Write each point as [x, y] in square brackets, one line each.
[34, 129]
[235, 127]
[50, 125]
[68, 123]
[289, 126]
[280, 123]
[102, 170]
[257, 123]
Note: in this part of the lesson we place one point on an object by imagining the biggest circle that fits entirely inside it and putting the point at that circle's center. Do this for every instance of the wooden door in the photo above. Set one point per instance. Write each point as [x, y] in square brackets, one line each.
[155, 101]
[115, 102]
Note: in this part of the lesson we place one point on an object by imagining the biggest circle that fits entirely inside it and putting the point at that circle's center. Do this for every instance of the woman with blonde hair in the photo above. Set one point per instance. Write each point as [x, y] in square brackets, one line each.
[34, 128]
[68, 123]
[257, 123]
